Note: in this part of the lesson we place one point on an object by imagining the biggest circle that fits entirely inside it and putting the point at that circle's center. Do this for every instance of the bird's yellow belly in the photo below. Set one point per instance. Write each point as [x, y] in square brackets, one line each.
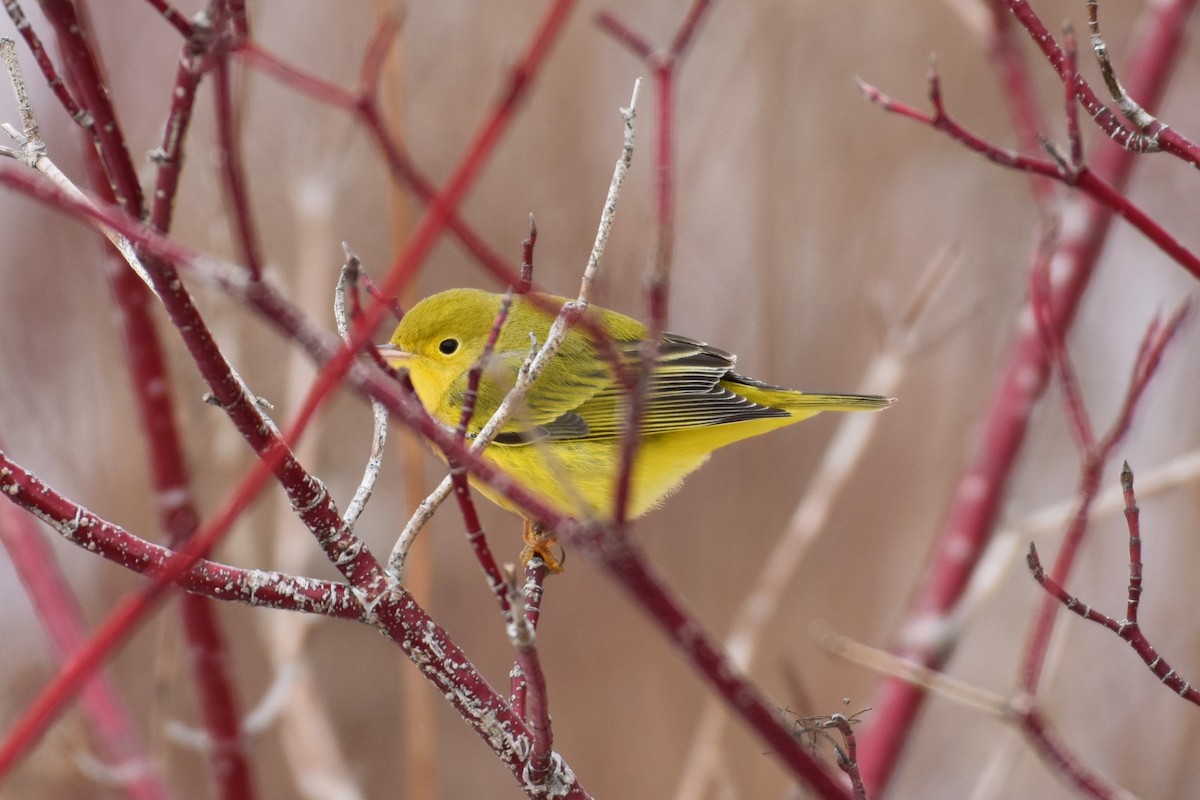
[579, 478]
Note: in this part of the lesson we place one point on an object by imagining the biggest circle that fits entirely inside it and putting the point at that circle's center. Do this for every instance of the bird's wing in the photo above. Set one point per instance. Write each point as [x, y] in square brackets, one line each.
[575, 374]
[685, 392]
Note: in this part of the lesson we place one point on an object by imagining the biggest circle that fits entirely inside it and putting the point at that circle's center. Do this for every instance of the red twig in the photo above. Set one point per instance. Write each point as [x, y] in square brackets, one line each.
[535, 577]
[1066, 764]
[1070, 107]
[972, 512]
[1018, 92]
[176, 20]
[230, 156]
[53, 80]
[1090, 181]
[848, 760]
[1052, 340]
[365, 107]
[458, 473]
[530, 693]
[1170, 24]
[631, 571]
[1094, 458]
[664, 67]
[1127, 629]
[526, 282]
[379, 297]
[193, 61]
[89, 89]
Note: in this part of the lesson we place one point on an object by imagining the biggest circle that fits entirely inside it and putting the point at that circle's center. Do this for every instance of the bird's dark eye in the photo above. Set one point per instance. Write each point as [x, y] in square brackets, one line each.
[448, 346]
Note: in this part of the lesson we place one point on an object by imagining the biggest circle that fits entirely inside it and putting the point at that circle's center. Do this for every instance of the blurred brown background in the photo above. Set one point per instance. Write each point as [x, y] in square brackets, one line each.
[805, 218]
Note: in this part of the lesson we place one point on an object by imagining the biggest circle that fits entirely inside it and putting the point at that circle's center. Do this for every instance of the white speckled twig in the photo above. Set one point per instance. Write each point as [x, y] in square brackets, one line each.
[533, 366]
[31, 151]
[379, 411]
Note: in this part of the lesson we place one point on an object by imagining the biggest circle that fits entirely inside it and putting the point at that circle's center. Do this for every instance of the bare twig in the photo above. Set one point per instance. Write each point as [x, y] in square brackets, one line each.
[1094, 457]
[1128, 629]
[347, 283]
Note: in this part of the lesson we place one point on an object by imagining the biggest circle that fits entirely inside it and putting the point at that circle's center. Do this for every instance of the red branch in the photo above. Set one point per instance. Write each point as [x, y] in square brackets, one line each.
[84, 529]
[629, 568]
[230, 155]
[535, 577]
[1017, 90]
[664, 67]
[1165, 36]
[1054, 751]
[1128, 629]
[53, 80]
[156, 411]
[970, 518]
[365, 107]
[1090, 181]
[529, 688]
[1095, 455]
[458, 474]
[90, 90]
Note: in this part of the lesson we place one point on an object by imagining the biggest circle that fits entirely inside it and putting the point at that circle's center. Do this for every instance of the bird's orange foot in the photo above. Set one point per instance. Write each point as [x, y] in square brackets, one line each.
[538, 541]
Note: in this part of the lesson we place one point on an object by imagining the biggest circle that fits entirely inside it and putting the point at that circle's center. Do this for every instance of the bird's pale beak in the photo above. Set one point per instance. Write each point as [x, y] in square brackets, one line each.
[393, 355]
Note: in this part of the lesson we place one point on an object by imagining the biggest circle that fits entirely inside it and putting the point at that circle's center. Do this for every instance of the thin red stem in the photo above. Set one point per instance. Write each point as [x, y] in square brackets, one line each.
[476, 536]
[229, 155]
[1050, 747]
[89, 90]
[1133, 523]
[1127, 629]
[1167, 31]
[1017, 88]
[1150, 354]
[535, 577]
[54, 81]
[175, 19]
[526, 282]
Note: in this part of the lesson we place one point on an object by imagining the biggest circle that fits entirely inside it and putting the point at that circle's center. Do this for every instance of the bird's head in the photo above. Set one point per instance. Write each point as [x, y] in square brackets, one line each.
[438, 341]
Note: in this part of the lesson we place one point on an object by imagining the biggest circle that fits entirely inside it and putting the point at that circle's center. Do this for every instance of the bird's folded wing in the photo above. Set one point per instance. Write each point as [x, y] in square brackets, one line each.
[685, 391]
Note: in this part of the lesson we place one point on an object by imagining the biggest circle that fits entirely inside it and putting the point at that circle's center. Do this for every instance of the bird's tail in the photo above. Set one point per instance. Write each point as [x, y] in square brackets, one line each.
[815, 401]
[803, 404]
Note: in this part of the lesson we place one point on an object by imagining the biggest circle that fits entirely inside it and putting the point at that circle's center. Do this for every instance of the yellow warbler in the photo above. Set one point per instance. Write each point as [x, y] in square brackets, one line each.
[564, 441]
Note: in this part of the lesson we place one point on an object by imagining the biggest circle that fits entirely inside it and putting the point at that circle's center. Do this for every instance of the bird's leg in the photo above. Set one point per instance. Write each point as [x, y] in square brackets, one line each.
[538, 541]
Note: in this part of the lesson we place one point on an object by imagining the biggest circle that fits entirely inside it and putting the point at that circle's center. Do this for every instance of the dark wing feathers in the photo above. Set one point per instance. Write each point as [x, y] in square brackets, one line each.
[685, 392]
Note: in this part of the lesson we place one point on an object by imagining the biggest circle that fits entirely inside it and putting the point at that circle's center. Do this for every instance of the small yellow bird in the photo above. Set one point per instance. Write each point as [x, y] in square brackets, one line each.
[565, 441]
